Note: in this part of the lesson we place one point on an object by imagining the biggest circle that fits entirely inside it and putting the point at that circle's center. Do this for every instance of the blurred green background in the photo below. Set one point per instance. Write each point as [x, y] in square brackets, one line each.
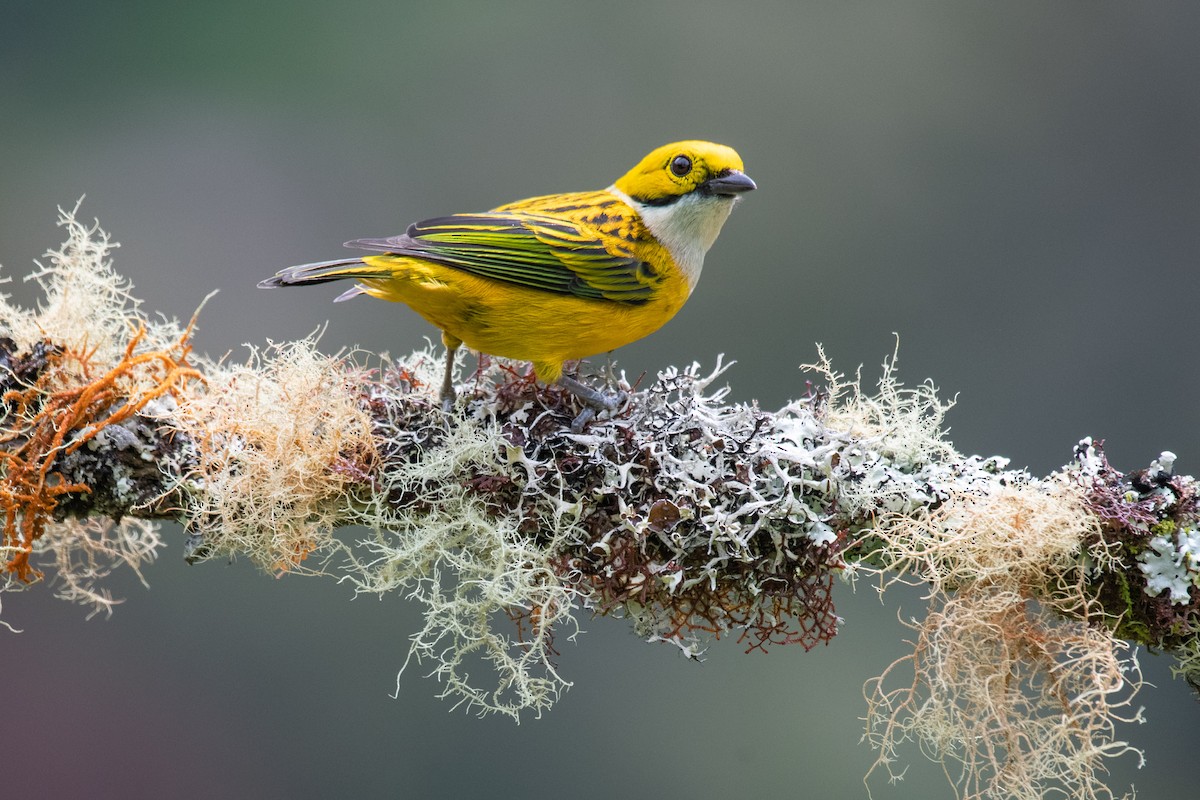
[1012, 187]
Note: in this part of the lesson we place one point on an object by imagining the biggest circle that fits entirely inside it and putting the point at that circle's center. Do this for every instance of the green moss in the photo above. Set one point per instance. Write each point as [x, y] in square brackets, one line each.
[1164, 528]
[1129, 625]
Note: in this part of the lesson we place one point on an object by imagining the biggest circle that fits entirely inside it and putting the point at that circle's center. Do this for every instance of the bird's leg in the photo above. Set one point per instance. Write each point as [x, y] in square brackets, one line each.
[447, 394]
[610, 377]
[481, 363]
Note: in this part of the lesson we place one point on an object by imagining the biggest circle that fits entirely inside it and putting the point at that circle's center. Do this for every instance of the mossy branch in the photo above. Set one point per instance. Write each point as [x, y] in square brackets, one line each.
[688, 515]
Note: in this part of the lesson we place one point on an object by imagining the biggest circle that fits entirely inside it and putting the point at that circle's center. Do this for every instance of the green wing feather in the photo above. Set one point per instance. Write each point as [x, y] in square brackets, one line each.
[547, 253]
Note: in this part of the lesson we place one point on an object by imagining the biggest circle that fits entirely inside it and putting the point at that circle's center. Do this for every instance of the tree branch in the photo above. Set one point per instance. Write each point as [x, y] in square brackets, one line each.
[690, 516]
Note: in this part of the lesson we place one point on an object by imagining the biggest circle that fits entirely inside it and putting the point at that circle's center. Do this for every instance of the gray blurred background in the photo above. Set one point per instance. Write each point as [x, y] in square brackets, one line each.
[1013, 188]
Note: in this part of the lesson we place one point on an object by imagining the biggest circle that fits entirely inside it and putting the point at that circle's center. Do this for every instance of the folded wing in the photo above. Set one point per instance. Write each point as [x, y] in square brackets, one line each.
[541, 252]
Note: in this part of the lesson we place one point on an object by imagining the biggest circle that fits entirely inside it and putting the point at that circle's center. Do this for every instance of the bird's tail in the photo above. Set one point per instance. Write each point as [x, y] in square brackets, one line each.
[323, 271]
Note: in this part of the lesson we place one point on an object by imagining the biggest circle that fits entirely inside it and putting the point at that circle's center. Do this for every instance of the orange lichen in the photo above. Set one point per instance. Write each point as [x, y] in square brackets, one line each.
[44, 414]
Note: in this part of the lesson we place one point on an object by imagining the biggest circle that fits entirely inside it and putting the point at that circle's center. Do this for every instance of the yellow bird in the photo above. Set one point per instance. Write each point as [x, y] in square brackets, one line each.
[560, 277]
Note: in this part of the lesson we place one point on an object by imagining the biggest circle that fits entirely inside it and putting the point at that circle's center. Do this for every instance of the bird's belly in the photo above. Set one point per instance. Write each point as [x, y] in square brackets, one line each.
[521, 323]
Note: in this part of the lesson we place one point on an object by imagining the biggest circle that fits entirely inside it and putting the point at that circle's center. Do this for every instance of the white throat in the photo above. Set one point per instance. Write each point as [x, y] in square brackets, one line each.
[687, 227]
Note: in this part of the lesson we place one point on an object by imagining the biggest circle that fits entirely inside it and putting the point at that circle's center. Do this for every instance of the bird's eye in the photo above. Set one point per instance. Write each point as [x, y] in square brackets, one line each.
[681, 165]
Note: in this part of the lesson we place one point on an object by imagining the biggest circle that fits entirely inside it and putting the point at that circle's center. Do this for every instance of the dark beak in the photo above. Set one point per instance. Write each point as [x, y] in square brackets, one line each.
[729, 184]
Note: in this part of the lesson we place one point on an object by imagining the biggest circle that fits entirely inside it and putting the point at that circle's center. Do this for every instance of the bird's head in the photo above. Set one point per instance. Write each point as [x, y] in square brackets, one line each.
[676, 170]
[684, 193]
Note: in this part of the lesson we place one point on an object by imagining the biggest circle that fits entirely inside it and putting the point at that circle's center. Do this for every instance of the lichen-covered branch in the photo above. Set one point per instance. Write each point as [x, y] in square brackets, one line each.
[688, 515]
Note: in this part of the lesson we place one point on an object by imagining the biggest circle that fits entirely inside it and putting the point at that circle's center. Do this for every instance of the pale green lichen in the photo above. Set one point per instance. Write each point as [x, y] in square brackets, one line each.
[87, 306]
[1172, 564]
[436, 541]
[1008, 685]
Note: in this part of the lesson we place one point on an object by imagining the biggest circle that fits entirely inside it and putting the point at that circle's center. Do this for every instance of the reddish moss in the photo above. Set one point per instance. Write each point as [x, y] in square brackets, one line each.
[45, 423]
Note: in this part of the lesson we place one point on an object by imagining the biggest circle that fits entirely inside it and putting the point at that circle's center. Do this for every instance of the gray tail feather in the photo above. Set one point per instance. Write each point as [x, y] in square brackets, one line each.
[317, 272]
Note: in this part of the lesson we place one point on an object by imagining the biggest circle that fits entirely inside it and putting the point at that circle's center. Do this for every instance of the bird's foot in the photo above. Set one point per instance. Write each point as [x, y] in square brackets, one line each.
[447, 396]
[595, 401]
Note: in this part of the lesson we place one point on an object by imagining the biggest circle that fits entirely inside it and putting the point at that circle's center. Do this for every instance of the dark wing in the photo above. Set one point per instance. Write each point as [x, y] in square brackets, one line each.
[542, 252]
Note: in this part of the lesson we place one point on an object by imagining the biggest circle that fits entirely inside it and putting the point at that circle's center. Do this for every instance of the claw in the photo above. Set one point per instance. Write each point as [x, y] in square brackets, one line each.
[580, 422]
